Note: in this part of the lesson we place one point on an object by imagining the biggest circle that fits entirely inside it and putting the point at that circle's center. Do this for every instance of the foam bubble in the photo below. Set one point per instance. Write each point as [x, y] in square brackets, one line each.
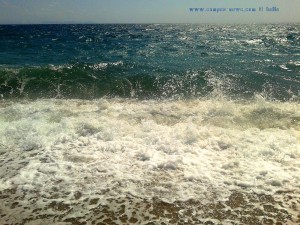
[66, 150]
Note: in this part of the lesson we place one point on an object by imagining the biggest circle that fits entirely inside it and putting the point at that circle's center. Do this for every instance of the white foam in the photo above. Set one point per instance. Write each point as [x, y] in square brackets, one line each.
[175, 150]
[254, 41]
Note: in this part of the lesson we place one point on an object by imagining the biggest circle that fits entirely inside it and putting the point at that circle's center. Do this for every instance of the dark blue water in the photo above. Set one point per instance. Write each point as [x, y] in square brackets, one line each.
[150, 61]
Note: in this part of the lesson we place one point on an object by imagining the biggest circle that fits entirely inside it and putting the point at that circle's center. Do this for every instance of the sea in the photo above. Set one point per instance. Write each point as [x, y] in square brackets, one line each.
[150, 124]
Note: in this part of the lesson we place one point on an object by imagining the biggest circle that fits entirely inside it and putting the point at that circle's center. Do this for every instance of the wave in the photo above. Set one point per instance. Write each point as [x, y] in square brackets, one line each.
[128, 80]
[88, 81]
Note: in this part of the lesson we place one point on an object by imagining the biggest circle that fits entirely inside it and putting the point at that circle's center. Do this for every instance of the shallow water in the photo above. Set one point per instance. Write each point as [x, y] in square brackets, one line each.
[63, 159]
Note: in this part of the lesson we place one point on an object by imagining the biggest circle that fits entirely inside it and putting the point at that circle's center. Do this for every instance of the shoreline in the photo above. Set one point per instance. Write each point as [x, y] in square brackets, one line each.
[238, 208]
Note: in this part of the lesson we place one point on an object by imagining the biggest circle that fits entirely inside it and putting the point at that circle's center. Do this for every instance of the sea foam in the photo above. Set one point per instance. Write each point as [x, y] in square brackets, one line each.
[201, 150]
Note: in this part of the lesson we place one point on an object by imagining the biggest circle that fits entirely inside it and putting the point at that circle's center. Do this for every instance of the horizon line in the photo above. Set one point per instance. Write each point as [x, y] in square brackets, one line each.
[95, 23]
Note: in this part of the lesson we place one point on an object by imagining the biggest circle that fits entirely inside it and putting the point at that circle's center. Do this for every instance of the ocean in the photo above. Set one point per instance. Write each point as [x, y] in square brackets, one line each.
[150, 124]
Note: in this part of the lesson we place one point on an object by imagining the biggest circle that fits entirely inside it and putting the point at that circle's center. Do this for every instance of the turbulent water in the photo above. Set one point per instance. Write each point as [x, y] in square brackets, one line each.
[150, 124]
[148, 61]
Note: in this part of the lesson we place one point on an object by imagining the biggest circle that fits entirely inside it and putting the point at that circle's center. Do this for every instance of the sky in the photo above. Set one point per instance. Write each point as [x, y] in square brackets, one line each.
[144, 11]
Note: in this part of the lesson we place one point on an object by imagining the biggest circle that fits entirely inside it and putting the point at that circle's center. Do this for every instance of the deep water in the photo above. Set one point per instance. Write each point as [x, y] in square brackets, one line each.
[149, 61]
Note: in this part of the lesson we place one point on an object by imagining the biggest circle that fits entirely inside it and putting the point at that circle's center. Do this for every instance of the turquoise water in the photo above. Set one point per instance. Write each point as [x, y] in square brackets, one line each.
[149, 61]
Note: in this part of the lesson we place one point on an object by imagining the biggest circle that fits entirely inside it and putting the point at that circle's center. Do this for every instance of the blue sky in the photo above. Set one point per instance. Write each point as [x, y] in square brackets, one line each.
[142, 11]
